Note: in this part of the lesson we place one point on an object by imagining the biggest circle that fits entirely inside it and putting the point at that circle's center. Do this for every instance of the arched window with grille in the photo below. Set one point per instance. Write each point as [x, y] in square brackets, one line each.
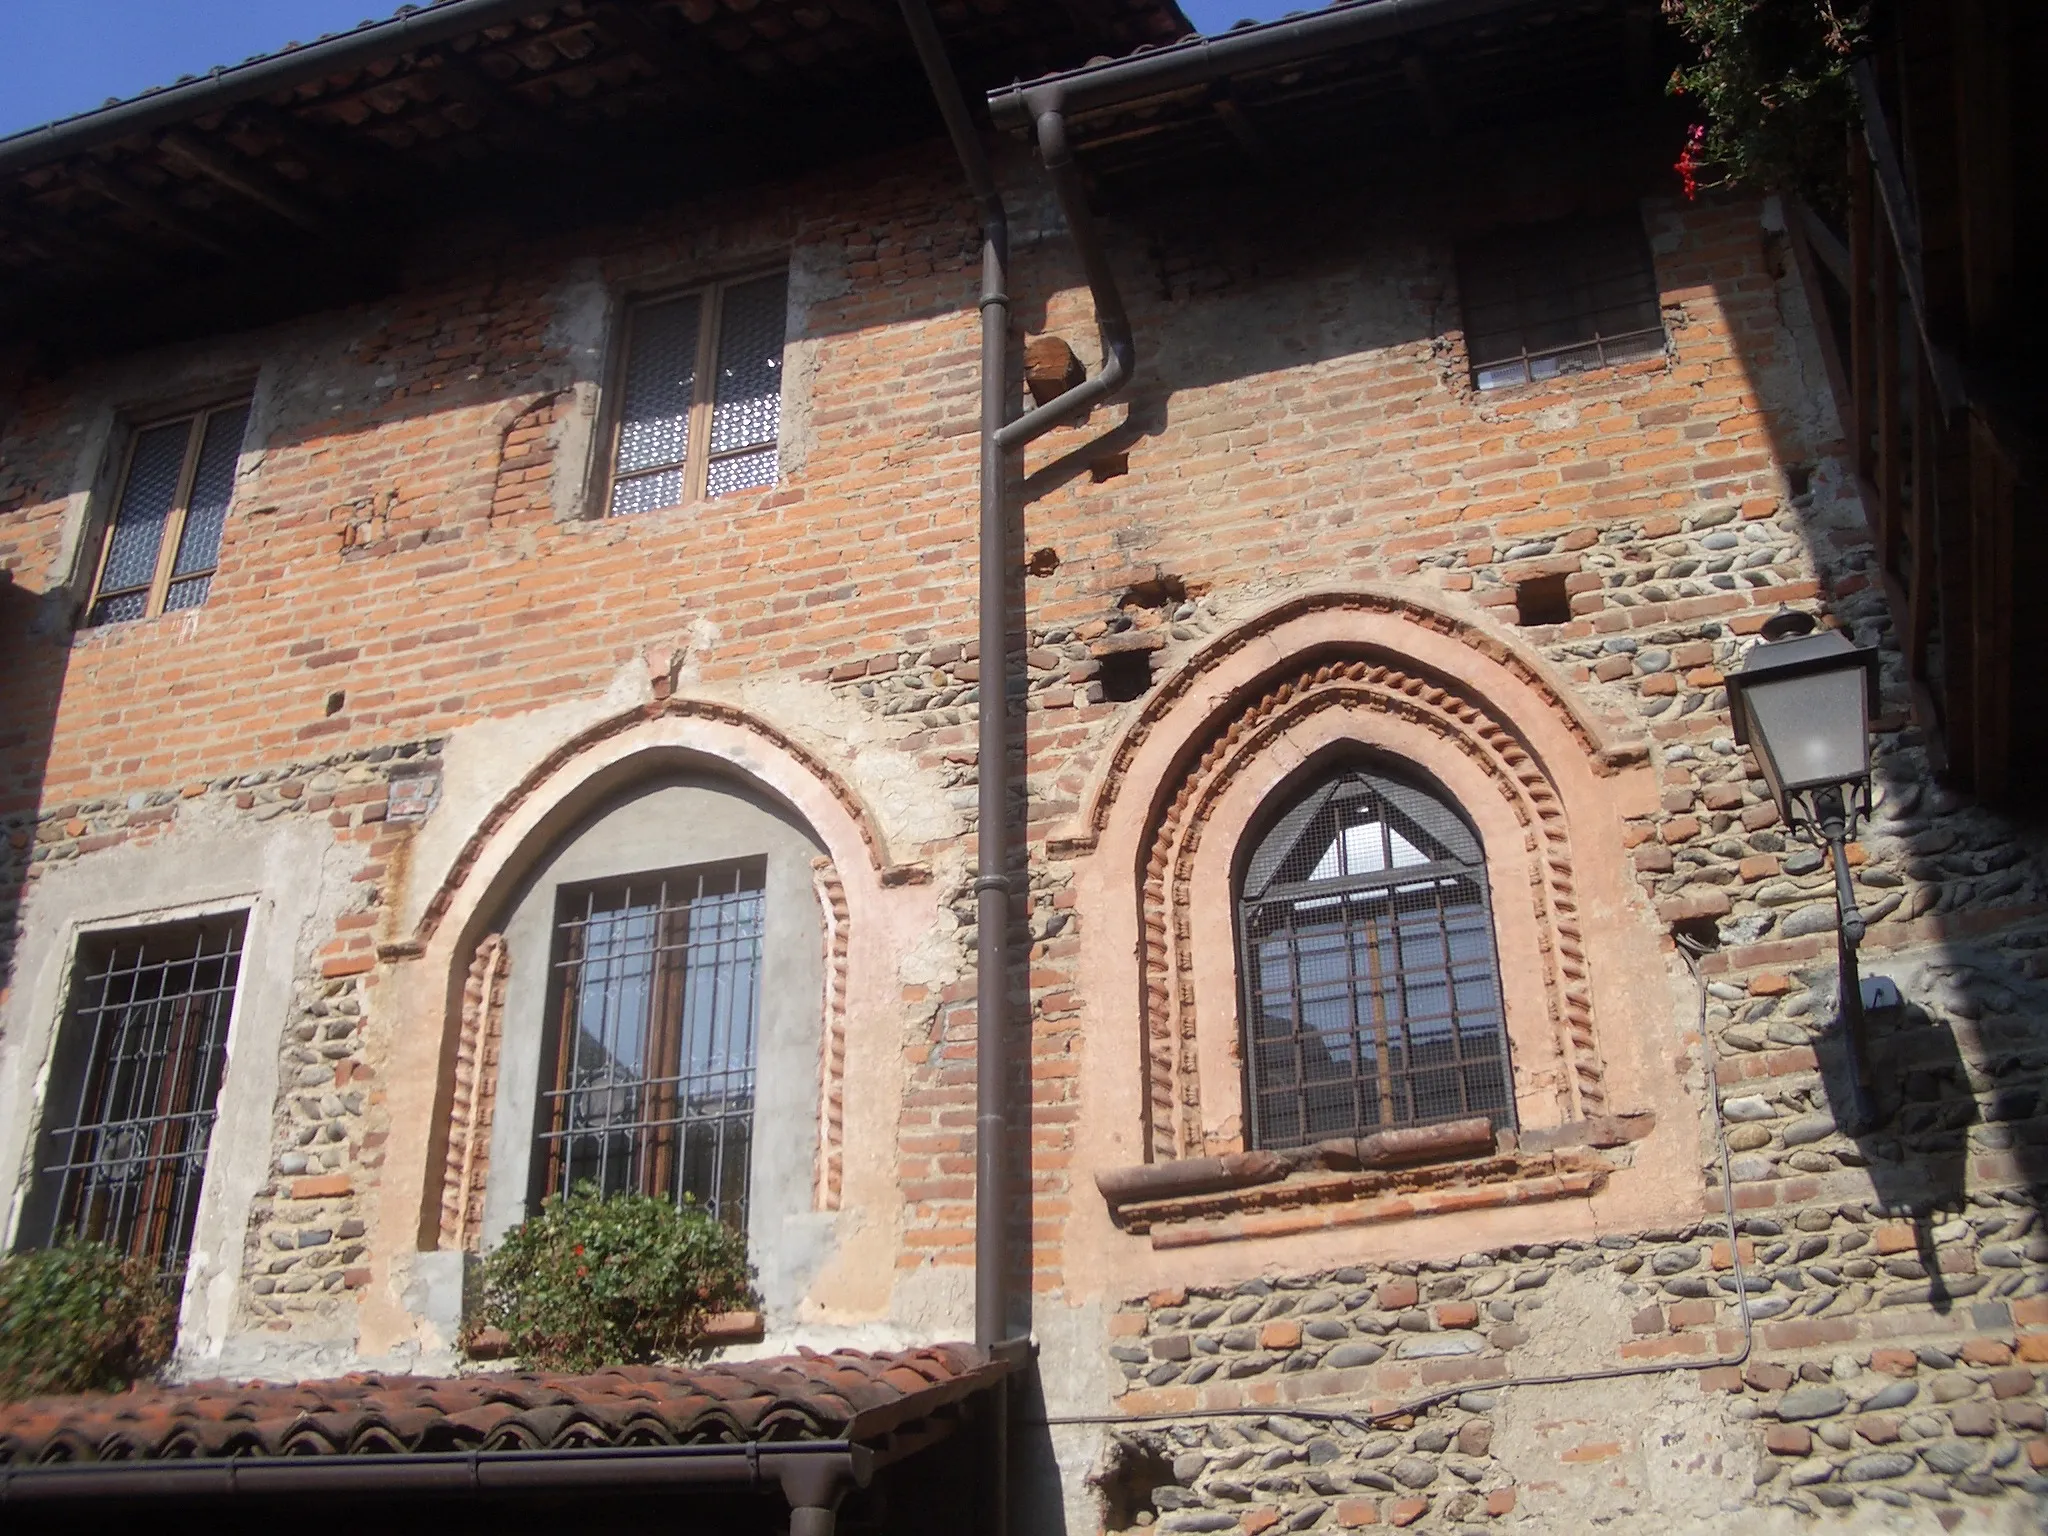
[1372, 994]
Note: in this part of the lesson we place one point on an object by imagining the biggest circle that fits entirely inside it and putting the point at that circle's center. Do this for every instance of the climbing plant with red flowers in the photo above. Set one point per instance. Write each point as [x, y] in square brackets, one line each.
[1770, 90]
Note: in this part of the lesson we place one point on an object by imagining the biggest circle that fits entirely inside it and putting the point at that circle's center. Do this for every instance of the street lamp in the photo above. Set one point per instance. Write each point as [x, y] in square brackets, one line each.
[1802, 703]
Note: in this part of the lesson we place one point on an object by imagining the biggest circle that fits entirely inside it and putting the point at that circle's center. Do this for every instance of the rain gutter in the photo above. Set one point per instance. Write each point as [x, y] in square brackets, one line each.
[813, 1475]
[1199, 60]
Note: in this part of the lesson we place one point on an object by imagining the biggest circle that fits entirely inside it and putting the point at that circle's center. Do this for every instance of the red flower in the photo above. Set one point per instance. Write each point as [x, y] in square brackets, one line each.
[1688, 161]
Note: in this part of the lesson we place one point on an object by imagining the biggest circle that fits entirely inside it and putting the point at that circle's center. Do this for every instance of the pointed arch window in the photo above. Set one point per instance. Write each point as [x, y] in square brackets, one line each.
[1372, 988]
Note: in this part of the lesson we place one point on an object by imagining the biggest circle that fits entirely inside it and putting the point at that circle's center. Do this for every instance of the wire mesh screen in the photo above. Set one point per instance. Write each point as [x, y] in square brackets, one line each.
[651, 1089]
[206, 510]
[147, 499]
[1372, 991]
[1559, 298]
[747, 411]
[135, 1088]
[654, 415]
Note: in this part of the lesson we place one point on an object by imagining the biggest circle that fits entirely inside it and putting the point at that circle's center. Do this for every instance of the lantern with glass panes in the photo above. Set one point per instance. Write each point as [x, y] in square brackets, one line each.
[1802, 703]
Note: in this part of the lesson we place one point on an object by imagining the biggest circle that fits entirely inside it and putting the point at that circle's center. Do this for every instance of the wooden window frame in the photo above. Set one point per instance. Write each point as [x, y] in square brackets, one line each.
[656, 1132]
[167, 1072]
[1590, 351]
[197, 418]
[1405, 897]
[696, 464]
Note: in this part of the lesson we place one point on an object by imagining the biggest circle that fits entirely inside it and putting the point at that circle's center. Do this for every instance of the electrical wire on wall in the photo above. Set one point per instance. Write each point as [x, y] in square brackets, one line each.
[1415, 1407]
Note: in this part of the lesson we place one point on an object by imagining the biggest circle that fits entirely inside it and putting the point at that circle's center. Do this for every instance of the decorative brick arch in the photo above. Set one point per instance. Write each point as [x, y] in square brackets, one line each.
[779, 764]
[459, 960]
[1173, 1097]
[1361, 619]
[1339, 673]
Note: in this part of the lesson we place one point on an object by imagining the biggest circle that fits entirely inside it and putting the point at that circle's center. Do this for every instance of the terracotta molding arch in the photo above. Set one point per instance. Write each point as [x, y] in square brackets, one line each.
[1495, 673]
[725, 742]
[1381, 673]
[427, 976]
[1321, 712]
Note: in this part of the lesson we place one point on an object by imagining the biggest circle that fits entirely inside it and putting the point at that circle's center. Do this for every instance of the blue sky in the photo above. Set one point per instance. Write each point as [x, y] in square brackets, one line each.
[59, 57]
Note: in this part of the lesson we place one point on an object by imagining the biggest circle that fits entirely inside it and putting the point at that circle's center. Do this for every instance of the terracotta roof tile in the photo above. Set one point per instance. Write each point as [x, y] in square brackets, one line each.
[846, 1395]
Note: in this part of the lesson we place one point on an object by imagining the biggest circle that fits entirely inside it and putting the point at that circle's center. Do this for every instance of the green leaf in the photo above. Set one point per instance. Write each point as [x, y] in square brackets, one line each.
[80, 1317]
[591, 1281]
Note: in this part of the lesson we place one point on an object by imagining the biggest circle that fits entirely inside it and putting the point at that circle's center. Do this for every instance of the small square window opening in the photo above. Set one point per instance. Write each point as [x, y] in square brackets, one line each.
[1542, 600]
[162, 545]
[134, 1089]
[1558, 298]
[700, 395]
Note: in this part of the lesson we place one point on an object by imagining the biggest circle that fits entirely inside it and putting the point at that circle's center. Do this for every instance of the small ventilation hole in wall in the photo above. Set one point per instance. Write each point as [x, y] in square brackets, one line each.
[1126, 675]
[335, 701]
[1701, 931]
[1161, 591]
[1134, 1471]
[1043, 562]
[1542, 600]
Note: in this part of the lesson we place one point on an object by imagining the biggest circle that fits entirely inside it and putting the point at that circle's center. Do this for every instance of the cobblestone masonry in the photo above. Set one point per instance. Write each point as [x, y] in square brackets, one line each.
[305, 1230]
[1855, 1391]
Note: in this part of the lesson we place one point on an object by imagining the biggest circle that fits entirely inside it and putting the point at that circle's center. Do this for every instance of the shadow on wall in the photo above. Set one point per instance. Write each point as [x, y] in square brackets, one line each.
[32, 665]
[1956, 1065]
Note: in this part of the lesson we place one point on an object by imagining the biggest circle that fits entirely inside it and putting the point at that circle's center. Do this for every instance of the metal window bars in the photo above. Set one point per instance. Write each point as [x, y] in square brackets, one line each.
[1558, 298]
[162, 544]
[1372, 992]
[651, 1083]
[136, 1083]
[700, 395]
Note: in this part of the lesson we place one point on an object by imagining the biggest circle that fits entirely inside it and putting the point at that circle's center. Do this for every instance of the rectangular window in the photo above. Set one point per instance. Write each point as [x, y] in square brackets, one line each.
[1559, 298]
[651, 1084]
[134, 1088]
[163, 541]
[699, 395]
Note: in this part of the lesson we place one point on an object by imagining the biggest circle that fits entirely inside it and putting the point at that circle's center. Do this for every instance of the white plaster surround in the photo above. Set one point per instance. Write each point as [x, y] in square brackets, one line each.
[674, 822]
[482, 845]
[292, 880]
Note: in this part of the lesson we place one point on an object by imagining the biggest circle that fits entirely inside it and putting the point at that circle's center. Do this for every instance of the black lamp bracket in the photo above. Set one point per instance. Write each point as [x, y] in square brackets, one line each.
[1814, 810]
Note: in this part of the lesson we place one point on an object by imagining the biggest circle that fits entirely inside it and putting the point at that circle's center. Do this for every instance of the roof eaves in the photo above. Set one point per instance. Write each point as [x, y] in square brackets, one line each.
[162, 106]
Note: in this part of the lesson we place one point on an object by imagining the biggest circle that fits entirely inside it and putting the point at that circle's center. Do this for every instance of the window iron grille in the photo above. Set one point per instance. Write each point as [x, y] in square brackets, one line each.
[135, 1087]
[1559, 298]
[650, 1089]
[1371, 989]
[700, 395]
[162, 545]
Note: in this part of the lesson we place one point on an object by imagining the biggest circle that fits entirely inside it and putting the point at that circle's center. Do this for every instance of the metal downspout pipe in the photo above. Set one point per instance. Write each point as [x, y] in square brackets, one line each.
[998, 437]
[994, 897]
[991, 885]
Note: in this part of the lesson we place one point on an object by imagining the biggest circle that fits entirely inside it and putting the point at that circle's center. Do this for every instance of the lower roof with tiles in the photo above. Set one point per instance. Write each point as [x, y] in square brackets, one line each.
[847, 1395]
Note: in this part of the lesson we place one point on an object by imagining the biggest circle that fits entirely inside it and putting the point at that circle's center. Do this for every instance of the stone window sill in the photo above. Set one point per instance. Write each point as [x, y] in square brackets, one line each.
[720, 1329]
[1395, 1177]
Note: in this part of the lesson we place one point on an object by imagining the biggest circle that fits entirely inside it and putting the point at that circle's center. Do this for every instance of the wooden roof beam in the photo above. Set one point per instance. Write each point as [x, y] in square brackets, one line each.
[250, 182]
[1422, 85]
[462, 81]
[686, 59]
[322, 152]
[1238, 124]
[147, 205]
